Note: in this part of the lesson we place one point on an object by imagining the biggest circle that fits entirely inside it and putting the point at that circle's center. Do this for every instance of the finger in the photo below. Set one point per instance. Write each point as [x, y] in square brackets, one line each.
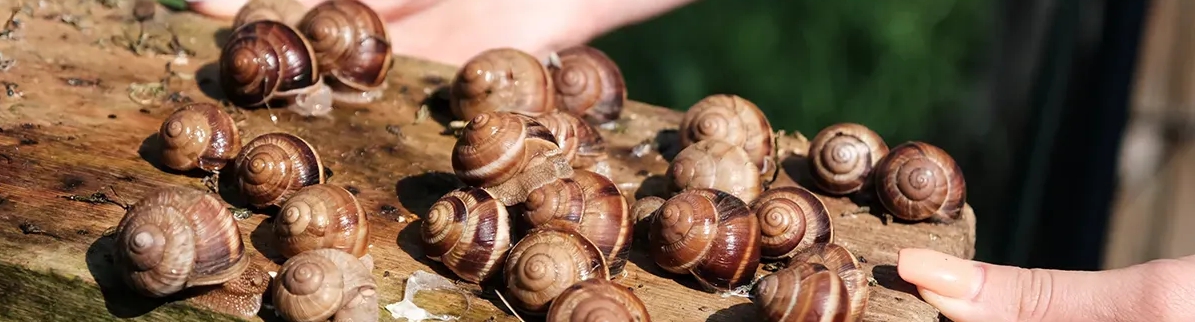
[388, 10]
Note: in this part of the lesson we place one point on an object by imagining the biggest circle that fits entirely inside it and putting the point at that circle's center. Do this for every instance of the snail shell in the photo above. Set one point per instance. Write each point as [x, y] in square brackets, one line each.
[273, 166]
[322, 216]
[588, 84]
[802, 292]
[842, 262]
[546, 262]
[595, 300]
[502, 79]
[709, 234]
[591, 205]
[266, 61]
[843, 155]
[734, 120]
[323, 284]
[351, 45]
[509, 154]
[286, 11]
[199, 135]
[716, 164]
[919, 181]
[177, 238]
[791, 219]
[469, 231]
[580, 142]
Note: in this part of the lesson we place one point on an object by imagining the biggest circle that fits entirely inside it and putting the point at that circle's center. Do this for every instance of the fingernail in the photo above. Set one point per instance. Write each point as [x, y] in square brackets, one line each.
[943, 274]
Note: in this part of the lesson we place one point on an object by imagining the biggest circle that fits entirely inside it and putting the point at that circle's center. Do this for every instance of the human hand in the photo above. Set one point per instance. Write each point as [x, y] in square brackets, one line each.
[452, 31]
[964, 290]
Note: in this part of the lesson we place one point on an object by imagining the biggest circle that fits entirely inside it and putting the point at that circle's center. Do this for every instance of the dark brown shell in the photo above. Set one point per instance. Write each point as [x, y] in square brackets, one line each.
[273, 166]
[502, 79]
[709, 234]
[351, 44]
[734, 120]
[716, 164]
[199, 135]
[286, 11]
[842, 156]
[791, 219]
[802, 292]
[588, 84]
[322, 216]
[469, 231]
[594, 300]
[545, 263]
[590, 204]
[263, 59]
[919, 181]
[580, 142]
[842, 262]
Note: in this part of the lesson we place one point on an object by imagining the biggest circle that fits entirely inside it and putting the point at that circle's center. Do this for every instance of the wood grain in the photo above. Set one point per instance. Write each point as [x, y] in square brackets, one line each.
[71, 129]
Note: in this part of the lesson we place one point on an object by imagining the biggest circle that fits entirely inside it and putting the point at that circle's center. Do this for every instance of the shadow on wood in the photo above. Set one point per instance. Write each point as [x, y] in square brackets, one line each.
[265, 242]
[668, 144]
[418, 192]
[208, 79]
[737, 312]
[887, 276]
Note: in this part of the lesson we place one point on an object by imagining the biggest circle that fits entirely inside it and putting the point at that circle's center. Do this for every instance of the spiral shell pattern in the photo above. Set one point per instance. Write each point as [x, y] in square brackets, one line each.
[843, 263]
[595, 300]
[708, 233]
[321, 284]
[546, 262]
[734, 120]
[716, 164]
[919, 181]
[589, 84]
[502, 79]
[322, 216]
[273, 166]
[286, 11]
[264, 58]
[791, 219]
[350, 43]
[843, 155]
[469, 231]
[497, 146]
[580, 143]
[199, 135]
[802, 292]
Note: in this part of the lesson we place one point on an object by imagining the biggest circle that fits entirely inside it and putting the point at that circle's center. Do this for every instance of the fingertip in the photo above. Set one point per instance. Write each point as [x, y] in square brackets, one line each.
[945, 274]
[216, 8]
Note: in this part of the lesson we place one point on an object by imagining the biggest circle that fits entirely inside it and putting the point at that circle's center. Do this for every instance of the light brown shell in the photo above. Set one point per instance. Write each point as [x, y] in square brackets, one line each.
[352, 46]
[273, 166]
[323, 284]
[509, 154]
[709, 234]
[502, 79]
[545, 263]
[580, 142]
[716, 164]
[919, 181]
[199, 135]
[285, 11]
[842, 156]
[595, 300]
[588, 84]
[842, 262]
[802, 292]
[322, 216]
[469, 231]
[734, 120]
[791, 219]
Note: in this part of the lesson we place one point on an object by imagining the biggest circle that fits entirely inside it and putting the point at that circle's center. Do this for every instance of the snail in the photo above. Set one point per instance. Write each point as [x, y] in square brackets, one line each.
[842, 262]
[591, 205]
[801, 292]
[734, 120]
[267, 63]
[580, 142]
[502, 79]
[352, 47]
[287, 12]
[322, 216]
[273, 166]
[546, 262]
[709, 234]
[842, 157]
[241, 296]
[199, 135]
[176, 238]
[509, 154]
[919, 181]
[791, 219]
[588, 84]
[716, 164]
[469, 231]
[597, 300]
[325, 284]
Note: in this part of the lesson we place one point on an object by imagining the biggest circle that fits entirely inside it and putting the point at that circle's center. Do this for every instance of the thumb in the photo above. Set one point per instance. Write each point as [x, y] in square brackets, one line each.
[965, 290]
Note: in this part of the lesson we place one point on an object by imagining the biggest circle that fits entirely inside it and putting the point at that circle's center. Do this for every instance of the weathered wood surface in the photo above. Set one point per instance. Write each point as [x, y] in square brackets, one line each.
[69, 128]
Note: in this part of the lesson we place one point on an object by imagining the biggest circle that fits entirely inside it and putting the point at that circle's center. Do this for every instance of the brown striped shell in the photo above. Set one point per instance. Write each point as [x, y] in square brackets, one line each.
[595, 300]
[352, 46]
[240, 297]
[546, 262]
[502, 79]
[709, 234]
[842, 157]
[800, 293]
[325, 284]
[469, 231]
[791, 219]
[716, 164]
[286, 11]
[590, 204]
[273, 166]
[580, 142]
[919, 181]
[176, 238]
[322, 216]
[268, 63]
[509, 154]
[588, 84]
[842, 262]
[736, 121]
[199, 135]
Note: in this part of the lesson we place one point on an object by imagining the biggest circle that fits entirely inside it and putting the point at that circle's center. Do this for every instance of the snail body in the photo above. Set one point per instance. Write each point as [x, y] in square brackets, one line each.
[322, 216]
[546, 262]
[240, 297]
[287, 12]
[802, 292]
[919, 181]
[268, 63]
[734, 120]
[792, 219]
[351, 45]
[509, 154]
[502, 79]
[591, 205]
[716, 164]
[199, 135]
[469, 231]
[273, 166]
[325, 284]
[176, 238]
[580, 142]
[843, 156]
[588, 84]
[597, 300]
[842, 262]
[709, 234]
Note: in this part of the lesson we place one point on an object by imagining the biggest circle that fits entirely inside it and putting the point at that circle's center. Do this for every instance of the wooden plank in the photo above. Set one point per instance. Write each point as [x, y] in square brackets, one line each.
[63, 138]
